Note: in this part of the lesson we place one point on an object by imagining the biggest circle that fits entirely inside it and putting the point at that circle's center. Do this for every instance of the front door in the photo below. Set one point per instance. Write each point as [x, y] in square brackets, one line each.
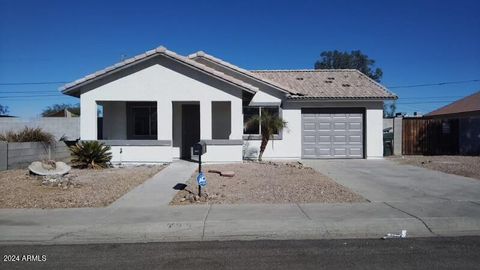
[190, 128]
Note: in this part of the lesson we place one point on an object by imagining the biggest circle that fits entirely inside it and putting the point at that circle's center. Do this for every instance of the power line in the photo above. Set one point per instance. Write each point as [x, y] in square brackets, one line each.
[432, 84]
[28, 97]
[29, 92]
[424, 102]
[403, 98]
[31, 83]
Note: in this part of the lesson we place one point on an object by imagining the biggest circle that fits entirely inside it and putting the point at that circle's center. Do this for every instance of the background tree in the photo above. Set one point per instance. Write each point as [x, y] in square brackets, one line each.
[270, 125]
[389, 109]
[73, 108]
[349, 60]
[4, 110]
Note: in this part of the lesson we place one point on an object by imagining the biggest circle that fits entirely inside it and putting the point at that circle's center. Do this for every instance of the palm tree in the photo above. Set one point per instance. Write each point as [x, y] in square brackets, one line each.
[270, 124]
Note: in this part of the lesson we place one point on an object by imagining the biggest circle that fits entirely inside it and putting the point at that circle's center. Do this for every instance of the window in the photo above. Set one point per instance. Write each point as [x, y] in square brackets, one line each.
[143, 121]
[249, 112]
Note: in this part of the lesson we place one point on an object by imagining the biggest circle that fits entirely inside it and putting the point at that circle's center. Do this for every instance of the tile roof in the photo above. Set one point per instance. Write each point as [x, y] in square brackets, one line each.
[68, 88]
[297, 84]
[201, 54]
[469, 103]
[327, 84]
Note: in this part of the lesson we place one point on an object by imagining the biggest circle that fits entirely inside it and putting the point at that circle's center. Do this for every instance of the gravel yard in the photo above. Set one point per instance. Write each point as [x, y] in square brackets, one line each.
[266, 183]
[468, 166]
[90, 188]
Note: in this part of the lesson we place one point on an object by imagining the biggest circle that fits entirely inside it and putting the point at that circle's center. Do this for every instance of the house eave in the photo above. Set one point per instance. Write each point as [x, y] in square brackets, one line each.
[303, 98]
[74, 88]
[214, 60]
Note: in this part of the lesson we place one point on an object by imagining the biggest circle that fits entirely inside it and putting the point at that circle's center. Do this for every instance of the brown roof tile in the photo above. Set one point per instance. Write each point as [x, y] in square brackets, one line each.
[327, 84]
[467, 104]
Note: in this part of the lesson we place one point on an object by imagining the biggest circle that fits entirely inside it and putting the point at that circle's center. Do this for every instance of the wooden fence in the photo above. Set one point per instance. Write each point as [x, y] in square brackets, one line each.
[423, 136]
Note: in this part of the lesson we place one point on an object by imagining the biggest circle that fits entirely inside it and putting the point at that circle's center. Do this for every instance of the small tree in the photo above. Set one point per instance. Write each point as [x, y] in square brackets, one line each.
[270, 124]
[389, 109]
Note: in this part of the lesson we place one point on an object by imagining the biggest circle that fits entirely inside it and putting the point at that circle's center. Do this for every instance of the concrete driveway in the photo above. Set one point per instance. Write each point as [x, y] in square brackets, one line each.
[386, 181]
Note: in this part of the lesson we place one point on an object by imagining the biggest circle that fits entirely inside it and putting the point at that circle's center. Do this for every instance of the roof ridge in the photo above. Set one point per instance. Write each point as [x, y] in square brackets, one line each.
[239, 69]
[161, 50]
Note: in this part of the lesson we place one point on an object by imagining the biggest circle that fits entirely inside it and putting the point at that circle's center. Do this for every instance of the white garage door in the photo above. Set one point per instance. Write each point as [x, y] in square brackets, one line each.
[334, 134]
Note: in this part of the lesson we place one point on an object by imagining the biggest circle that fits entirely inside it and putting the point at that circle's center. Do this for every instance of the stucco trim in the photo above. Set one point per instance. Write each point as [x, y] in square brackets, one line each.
[223, 142]
[257, 137]
[136, 142]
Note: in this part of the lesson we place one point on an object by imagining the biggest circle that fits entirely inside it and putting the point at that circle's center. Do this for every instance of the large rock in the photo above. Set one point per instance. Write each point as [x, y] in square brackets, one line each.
[39, 168]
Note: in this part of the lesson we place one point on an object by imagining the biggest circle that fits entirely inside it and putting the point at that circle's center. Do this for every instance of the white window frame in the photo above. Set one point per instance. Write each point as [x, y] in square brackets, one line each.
[259, 134]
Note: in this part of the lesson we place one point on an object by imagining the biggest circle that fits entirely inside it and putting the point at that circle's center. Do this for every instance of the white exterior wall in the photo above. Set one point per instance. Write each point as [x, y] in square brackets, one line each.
[290, 146]
[141, 154]
[162, 85]
[374, 133]
[223, 153]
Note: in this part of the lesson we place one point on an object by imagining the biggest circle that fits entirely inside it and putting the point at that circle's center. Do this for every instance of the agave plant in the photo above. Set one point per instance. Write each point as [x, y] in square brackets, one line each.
[270, 124]
[91, 154]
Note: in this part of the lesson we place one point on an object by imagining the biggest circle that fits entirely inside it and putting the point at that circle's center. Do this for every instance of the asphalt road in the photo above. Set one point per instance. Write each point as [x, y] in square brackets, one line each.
[419, 253]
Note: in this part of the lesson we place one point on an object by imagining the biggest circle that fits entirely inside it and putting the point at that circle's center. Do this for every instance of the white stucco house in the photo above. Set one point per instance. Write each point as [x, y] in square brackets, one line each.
[156, 105]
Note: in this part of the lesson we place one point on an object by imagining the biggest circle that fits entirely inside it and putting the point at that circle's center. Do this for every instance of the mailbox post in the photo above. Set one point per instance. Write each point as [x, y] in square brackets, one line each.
[199, 149]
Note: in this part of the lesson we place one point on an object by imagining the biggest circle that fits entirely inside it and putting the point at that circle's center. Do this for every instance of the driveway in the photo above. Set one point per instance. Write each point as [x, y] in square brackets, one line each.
[386, 181]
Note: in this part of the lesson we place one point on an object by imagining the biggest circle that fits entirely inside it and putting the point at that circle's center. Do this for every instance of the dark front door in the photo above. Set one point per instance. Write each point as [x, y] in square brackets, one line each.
[190, 128]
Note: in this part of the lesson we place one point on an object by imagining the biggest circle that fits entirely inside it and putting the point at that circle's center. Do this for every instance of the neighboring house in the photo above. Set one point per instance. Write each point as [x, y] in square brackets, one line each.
[158, 104]
[462, 119]
[63, 113]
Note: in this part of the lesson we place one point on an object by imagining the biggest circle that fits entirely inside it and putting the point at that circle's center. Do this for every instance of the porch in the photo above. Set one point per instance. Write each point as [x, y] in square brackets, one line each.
[159, 131]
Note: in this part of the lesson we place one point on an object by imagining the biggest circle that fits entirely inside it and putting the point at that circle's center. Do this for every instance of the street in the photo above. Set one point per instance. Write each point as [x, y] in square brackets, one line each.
[412, 253]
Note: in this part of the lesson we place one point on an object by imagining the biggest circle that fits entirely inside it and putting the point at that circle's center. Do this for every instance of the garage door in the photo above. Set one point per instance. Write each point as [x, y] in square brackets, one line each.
[332, 134]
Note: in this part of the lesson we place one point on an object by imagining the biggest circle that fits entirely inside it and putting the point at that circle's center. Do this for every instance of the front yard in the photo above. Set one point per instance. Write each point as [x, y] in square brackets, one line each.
[266, 182]
[86, 188]
[468, 166]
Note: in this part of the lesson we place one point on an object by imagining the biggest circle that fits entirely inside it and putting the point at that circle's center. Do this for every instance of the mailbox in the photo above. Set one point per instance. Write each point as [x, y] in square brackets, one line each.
[199, 148]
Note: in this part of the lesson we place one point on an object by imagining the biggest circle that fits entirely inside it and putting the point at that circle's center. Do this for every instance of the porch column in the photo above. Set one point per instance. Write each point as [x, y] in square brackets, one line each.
[88, 118]
[164, 119]
[205, 120]
[237, 120]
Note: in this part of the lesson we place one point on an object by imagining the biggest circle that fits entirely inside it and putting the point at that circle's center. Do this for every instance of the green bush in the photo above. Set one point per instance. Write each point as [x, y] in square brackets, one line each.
[28, 135]
[91, 154]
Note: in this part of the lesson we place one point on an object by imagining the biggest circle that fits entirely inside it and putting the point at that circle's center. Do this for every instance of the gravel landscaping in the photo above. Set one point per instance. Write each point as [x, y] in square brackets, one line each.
[79, 188]
[266, 182]
[468, 166]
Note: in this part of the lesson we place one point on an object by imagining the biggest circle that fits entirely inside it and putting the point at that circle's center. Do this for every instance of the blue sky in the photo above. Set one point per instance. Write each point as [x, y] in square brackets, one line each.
[414, 42]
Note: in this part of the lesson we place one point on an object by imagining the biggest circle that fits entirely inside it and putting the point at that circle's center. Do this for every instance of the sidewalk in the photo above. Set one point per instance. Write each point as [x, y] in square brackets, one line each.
[237, 222]
[143, 215]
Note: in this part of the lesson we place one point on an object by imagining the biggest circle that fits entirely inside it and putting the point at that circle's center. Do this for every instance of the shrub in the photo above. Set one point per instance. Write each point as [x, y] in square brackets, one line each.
[28, 135]
[91, 154]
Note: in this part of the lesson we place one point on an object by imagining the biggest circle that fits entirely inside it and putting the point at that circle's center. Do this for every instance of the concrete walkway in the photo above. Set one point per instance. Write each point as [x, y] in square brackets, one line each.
[158, 190]
[144, 216]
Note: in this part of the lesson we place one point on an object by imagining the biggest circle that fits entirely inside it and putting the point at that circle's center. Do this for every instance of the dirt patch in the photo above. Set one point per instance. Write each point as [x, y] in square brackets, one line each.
[468, 166]
[267, 183]
[91, 188]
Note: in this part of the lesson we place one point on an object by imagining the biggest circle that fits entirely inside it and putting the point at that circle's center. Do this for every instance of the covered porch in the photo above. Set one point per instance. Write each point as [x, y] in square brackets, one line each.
[162, 131]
